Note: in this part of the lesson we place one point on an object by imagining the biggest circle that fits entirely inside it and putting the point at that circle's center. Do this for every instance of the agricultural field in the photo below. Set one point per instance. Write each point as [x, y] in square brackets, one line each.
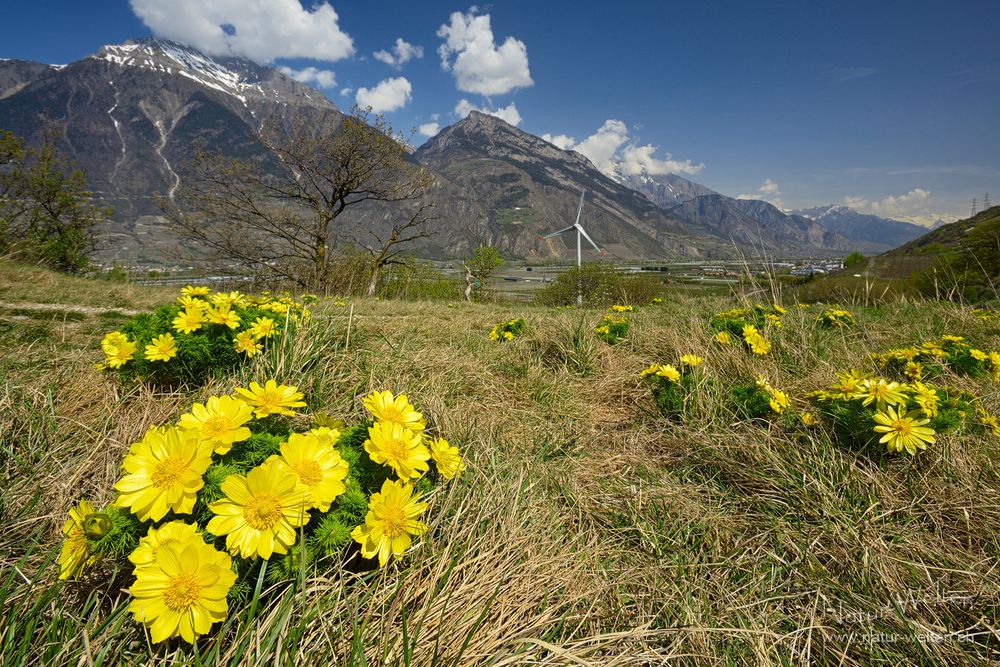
[650, 484]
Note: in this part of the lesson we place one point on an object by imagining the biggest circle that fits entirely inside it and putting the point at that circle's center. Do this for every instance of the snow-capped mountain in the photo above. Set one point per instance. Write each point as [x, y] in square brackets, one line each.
[862, 226]
[240, 78]
[664, 190]
[132, 114]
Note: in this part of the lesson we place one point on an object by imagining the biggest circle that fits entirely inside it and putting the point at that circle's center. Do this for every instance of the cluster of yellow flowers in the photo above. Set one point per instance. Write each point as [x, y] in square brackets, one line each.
[949, 350]
[778, 399]
[181, 579]
[986, 313]
[669, 372]
[755, 340]
[219, 308]
[614, 326]
[901, 411]
[506, 331]
[201, 310]
[836, 317]
[745, 324]
[398, 440]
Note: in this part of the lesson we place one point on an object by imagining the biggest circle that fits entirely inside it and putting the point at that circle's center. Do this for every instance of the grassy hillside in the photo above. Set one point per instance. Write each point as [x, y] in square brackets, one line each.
[959, 260]
[588, 529]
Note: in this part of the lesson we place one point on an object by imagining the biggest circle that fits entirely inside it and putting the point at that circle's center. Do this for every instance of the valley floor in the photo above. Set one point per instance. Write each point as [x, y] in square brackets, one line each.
[587, 528]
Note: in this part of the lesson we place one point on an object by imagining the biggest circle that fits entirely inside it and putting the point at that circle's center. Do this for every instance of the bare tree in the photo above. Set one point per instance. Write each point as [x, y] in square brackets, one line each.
[385, 250]
[278, 214]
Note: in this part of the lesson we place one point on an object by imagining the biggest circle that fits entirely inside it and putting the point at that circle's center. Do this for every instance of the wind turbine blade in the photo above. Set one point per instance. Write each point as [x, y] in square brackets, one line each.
[579, 209]
[590, 240]
[561, 231]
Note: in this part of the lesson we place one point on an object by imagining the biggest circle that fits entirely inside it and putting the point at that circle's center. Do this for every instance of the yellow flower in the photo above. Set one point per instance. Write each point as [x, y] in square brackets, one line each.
[809, 419]
[259, 513]
[494, 334]
[903, 432]
[223, 314]
[914, 370]
[669, 372]
[163, 473]
[449, 461]
[75, 556]
[272, 398]
[326, 434]
[978, 355]
[882, 393]
[396, 409]
[622, 309]
[318, 467]
[398, 447]
[649, 370]
[220, 422]
[194, 291]
[112, 340]
[849, 386]
[773, 320]
[222, 299]
[121, 353]
[162, 348]
[691, 360]
[723, 337]
[183, 592]
[172, 532]
[192, 303]
[989, 421]
[952, 339]
[391, 520]
[245, 342]
[926, 397]
[778, 308]
[507, 335]
[189, 320]
[779, 401]
[263, 327]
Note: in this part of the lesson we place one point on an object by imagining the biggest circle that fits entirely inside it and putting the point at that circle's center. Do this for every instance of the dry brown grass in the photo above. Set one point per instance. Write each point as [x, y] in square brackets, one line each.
[588, 530]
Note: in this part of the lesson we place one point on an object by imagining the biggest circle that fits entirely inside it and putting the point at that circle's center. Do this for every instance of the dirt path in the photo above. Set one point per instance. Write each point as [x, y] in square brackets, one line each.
[86, 310]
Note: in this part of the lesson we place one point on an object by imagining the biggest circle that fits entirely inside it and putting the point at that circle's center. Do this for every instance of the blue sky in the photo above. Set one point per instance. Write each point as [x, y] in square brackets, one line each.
[893, 107]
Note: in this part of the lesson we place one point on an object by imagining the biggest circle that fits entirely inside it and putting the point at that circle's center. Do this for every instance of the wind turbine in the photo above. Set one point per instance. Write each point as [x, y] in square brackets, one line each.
[579, 253]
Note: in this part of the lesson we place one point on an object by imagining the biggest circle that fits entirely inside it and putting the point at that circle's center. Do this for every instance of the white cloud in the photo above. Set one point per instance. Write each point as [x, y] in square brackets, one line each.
[429, 129]
[563, 141]
[479, 65]
[770, 188]
[401, 53]
[913, 202]
[611, 150]
[260, 30]
[508, 113]
[639, 159]
[602, 146]
[388, 95]
[346, 92]
[323, 78]
[916, 206]
[768, 192]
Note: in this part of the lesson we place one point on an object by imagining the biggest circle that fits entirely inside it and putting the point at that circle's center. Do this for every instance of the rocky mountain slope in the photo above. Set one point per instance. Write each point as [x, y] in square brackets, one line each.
[131, 114]
[527, 187]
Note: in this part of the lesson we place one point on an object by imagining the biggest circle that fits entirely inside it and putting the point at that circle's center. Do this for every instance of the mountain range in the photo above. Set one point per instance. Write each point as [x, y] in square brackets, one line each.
[131, 114]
